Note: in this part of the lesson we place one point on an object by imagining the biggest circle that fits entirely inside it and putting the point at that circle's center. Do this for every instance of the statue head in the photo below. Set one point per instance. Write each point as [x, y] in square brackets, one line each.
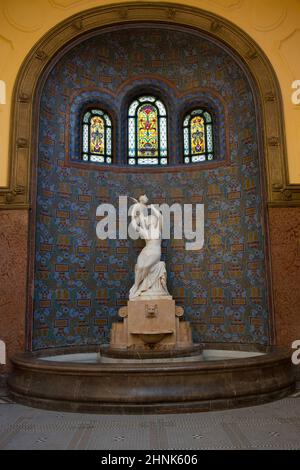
[143, 199]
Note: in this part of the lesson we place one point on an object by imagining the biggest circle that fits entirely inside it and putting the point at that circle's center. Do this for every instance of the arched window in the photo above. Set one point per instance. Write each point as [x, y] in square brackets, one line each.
[96, 137]
[198, 136]
[147, 132]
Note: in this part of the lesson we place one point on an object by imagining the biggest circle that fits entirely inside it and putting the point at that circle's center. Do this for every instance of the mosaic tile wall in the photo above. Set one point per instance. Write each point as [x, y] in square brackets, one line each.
[80, 281]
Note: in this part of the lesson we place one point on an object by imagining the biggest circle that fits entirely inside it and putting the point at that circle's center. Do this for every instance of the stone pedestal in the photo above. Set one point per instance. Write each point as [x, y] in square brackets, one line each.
[151, 324]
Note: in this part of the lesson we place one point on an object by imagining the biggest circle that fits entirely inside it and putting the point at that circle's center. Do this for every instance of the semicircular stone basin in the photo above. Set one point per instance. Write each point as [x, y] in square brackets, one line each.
[152, 337]
[81, 379]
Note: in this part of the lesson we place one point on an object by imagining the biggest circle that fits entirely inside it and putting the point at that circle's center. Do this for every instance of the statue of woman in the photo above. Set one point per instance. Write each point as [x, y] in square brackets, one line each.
[150, 272]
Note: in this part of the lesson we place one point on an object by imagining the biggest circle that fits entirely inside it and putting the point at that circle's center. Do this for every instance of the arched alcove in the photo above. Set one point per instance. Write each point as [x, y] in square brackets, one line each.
[80, 283]
[72, 32]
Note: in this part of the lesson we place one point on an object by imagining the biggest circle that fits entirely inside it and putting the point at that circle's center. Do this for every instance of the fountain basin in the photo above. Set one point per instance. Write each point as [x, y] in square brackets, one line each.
[152, 337]
[222, 376]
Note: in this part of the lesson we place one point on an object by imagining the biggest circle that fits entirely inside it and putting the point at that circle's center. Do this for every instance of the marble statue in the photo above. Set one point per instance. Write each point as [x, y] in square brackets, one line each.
[150, 271]
[151, 320]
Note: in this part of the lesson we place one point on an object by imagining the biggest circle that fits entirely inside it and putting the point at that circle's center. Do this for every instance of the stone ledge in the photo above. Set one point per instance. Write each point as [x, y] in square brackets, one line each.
[151, 388]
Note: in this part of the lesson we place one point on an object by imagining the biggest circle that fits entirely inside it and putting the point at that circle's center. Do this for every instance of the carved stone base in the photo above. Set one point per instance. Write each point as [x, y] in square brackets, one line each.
[152, 324]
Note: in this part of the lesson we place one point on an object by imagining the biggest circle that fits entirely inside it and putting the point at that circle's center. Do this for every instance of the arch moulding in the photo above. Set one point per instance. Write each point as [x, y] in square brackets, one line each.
[25, 97]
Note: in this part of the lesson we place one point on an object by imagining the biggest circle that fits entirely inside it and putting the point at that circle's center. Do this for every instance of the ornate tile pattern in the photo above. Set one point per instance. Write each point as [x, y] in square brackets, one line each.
[80, 282]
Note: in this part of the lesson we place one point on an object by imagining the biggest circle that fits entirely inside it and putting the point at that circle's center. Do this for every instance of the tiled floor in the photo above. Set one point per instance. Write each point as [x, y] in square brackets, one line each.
[272, 426]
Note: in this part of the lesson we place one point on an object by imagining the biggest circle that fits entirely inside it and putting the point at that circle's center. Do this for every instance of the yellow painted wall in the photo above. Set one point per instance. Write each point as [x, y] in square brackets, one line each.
[273, 24]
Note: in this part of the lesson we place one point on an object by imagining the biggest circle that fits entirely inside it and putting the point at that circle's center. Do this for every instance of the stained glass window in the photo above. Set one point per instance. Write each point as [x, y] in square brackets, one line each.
[97, 137]
[147, 132]
[198, 136]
